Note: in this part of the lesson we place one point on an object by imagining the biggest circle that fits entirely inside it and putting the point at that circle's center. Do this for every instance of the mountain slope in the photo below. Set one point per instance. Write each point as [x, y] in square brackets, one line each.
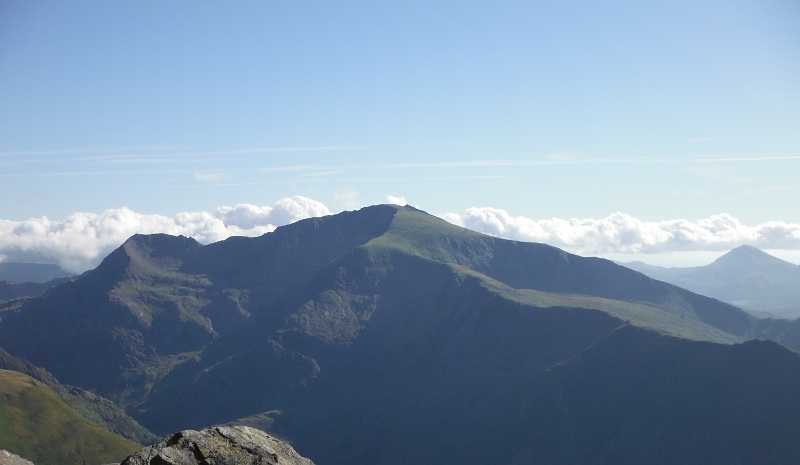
[36, 424]
[102, 412]
[745, 276]
[355, 335]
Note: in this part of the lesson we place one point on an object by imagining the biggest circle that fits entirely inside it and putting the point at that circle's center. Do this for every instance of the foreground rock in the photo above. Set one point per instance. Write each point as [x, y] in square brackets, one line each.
[235, 445]
[7, 458]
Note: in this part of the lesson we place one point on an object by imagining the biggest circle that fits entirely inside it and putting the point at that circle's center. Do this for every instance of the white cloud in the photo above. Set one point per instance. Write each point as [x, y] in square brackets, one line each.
[621, 233]
[396, 200]
[82, 240]
[454, 218]
[347, 197]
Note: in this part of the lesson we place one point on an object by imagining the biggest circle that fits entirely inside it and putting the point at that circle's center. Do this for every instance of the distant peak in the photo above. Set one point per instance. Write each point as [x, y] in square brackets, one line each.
[747, 248]
[160, 245]
[161, 242]
[749, 253]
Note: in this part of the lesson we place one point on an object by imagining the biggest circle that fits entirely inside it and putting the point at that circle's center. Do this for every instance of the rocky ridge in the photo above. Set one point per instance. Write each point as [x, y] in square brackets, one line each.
[223, 445]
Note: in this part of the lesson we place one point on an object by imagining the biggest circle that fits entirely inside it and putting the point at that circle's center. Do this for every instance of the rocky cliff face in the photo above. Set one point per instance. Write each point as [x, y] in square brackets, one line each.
[237, 445]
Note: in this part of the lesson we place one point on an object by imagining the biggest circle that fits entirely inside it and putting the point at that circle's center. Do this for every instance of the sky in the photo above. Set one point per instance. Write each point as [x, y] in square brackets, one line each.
[663, 131]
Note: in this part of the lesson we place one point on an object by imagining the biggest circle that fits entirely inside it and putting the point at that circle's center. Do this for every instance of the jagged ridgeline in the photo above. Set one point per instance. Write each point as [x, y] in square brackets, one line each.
[387, 335]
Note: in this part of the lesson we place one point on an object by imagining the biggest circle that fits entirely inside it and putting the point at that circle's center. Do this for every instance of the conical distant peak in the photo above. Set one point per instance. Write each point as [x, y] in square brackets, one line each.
[749, 254]
[747, 249]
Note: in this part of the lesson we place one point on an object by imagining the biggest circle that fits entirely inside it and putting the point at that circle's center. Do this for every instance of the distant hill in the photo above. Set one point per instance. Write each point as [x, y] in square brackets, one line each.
[746, 277]
[36, 424]
[31, 272]
[29, 279]
[9, 290]
[387, 336]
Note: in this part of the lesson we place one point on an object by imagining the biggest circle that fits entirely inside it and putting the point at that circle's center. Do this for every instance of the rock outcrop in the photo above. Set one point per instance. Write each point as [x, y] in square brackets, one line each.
[7, 458]
[223, 445]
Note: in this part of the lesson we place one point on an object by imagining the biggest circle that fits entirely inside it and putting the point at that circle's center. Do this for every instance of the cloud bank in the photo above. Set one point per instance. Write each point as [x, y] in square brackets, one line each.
[621, 233]
[81, 241]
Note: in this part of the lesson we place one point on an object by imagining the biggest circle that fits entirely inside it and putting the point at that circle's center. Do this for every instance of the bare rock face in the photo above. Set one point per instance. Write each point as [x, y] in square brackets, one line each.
[7, 458]
[222, 445]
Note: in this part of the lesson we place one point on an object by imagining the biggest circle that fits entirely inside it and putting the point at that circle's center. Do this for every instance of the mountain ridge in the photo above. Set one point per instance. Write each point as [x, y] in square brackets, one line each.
[404, 320]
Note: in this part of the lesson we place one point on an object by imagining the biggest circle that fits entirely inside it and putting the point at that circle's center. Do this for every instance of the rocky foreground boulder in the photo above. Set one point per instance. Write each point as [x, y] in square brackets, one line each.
[223, 445]
[7, 458]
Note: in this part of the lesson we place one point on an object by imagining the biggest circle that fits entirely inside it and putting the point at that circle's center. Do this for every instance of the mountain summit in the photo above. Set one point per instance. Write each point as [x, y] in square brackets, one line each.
[387, 335]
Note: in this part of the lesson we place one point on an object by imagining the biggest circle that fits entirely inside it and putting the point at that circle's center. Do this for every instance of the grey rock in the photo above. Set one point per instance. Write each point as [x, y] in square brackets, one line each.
[222, 445]
[7, 458]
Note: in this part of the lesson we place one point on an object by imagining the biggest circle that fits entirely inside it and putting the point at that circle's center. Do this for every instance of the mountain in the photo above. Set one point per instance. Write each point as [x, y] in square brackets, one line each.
[746, 277]
[36, 424]
[387, 335]
[31, 272]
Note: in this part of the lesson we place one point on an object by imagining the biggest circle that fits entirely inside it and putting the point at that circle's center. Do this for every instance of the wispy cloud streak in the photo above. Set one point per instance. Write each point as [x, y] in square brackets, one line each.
[194, 160]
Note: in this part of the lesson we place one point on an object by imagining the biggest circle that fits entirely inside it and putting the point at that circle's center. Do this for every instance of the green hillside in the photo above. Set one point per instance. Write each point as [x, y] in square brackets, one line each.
[38, 425]
[102, 412]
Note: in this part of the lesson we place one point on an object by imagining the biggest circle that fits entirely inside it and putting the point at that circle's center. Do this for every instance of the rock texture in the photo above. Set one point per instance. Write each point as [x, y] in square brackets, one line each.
[7, 458]
[223, 445]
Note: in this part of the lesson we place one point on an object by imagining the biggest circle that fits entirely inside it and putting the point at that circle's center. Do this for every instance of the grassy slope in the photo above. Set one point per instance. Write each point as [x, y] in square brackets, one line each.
[98, 410]
[431, 238]
[638, 313]
[38, 425]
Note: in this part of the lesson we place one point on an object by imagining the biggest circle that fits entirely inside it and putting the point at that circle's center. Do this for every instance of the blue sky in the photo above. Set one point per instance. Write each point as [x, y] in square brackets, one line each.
[659, 110]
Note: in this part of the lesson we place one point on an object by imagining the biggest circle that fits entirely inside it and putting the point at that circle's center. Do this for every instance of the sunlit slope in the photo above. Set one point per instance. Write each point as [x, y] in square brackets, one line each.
[102, 412]
[539, 267]
[643, 314]
[38, 425]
